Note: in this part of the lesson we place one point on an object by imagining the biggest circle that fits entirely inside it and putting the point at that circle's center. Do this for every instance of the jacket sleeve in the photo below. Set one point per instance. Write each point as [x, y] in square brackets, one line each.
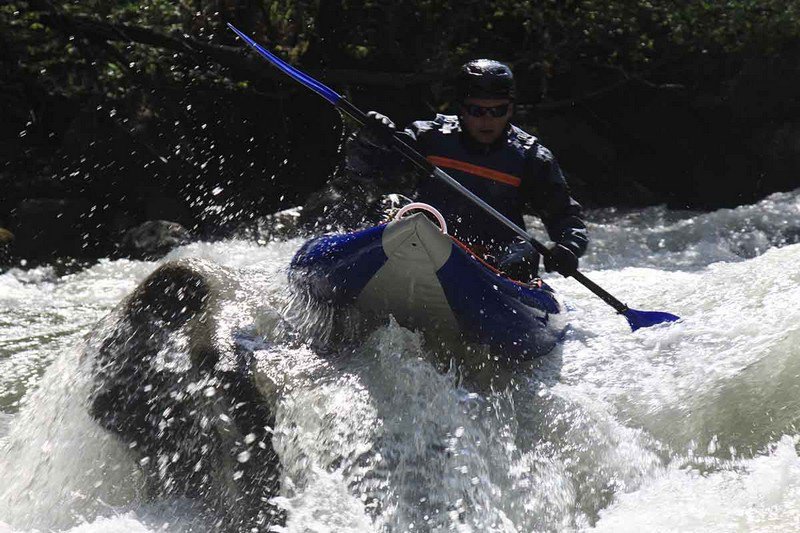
[369, 159]
[547, 193]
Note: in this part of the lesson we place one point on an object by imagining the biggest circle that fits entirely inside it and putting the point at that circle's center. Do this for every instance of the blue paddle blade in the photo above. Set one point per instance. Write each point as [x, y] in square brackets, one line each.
[324, 91]
[645, 319]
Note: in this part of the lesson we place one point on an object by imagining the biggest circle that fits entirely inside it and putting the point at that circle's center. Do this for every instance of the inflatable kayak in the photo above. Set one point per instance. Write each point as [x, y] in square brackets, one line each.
[412, 270]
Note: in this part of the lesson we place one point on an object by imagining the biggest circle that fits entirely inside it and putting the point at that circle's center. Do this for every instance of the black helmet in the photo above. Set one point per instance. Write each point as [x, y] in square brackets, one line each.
[485, 78]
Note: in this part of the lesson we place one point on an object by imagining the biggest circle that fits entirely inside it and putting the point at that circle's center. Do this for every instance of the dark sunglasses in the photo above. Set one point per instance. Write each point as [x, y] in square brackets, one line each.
[496, 111]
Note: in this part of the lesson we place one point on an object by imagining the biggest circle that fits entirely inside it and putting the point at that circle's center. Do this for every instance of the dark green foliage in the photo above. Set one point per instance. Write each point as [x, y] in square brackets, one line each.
[131, 104]
[544, 40]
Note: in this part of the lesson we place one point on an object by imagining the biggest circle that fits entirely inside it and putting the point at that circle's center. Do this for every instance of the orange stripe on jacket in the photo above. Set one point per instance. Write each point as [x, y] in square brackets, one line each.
[483, 172]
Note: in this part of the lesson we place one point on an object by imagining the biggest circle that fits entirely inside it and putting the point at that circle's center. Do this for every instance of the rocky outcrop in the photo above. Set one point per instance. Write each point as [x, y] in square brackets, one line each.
[48, 228]
[6, 238]
[171, 383]
[153, 239]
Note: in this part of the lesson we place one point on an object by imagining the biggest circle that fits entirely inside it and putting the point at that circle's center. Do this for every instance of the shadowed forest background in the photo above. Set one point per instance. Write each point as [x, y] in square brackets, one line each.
[117, 112]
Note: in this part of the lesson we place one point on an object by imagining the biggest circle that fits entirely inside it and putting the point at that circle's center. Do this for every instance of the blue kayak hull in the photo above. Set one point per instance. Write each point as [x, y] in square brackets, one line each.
[426, 280]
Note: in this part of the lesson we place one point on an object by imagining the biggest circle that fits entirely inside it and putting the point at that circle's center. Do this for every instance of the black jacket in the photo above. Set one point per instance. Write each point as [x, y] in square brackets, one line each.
[514, 171]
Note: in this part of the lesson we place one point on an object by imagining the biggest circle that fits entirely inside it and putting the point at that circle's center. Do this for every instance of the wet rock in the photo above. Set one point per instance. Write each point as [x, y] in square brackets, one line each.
[782, 142]
[153, 239]
[281, 225]
[634, 194]
[349, 204]
[48, 228]
[172, 385]
[6, 237]
[344, 203]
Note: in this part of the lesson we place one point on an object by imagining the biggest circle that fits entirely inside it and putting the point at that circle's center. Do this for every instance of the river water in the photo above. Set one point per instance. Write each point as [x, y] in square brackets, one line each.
[687, 427]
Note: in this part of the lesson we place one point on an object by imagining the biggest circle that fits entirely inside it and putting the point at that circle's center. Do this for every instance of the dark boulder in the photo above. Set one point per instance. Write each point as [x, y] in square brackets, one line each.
[153, 239]
[173, 386]
[6, 238]
[48, 228]
[349, 203]
[345, 203]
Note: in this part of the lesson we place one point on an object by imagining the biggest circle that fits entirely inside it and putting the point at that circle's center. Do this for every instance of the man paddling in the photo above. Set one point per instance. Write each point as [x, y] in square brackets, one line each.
[637, 319]
[502, 164]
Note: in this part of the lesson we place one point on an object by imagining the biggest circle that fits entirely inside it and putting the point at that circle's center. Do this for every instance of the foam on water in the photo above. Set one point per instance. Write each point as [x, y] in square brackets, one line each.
[56, 462]
[725, 368]
[760, 494]
[40, 314]
[686, 427]
[676, 240]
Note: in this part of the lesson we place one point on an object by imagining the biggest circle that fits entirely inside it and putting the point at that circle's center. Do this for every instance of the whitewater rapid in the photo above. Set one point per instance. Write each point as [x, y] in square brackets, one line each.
[687, 427]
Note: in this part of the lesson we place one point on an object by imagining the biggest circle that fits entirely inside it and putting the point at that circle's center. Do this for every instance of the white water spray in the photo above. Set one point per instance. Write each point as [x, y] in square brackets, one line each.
[687, 427]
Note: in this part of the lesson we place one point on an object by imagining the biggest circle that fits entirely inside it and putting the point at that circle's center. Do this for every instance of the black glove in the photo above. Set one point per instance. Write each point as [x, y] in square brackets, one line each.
[521, 262]
[378, 130]
[562, 260]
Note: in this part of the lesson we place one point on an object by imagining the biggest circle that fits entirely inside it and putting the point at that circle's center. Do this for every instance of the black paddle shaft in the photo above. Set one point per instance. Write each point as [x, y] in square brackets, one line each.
[429, 168]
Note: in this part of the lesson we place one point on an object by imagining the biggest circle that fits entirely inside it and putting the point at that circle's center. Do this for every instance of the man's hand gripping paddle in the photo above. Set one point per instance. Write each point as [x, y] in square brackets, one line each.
[636, 319]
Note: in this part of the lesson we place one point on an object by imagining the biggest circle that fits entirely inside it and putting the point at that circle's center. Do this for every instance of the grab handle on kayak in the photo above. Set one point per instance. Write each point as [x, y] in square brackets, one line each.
[423, 207]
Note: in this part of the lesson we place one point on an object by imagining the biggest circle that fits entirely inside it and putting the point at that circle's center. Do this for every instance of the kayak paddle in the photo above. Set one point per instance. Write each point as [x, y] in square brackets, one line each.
[636, 319]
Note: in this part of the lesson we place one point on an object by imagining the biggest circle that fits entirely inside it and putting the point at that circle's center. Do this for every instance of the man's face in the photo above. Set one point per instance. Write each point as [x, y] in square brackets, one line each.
[486, 128]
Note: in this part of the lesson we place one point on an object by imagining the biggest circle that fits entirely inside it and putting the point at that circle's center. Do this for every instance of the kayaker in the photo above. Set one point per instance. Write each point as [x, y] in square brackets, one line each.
[507, 167]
